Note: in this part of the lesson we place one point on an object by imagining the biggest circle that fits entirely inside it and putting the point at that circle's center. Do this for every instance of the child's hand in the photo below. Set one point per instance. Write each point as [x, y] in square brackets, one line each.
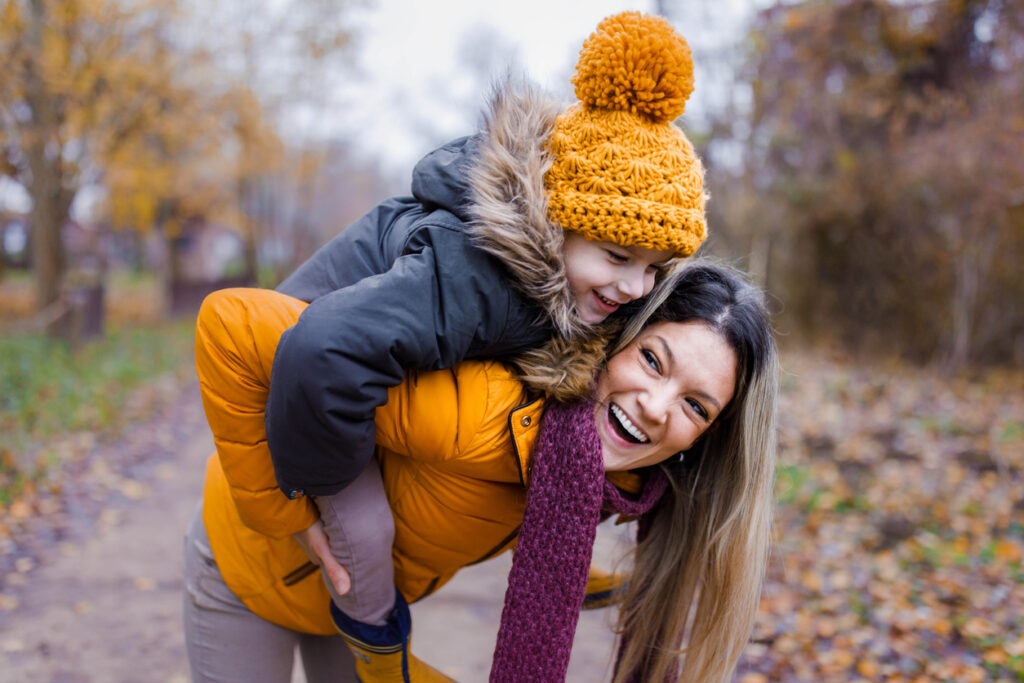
[314, 542]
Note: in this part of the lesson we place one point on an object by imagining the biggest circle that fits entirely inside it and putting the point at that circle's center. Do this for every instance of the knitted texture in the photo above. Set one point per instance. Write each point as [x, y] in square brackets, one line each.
[621, 171]
[568, 491]
[636, 63]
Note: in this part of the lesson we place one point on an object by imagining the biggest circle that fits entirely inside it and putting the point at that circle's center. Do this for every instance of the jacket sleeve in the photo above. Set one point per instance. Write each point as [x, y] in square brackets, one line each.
[237, 331]
[439, 303]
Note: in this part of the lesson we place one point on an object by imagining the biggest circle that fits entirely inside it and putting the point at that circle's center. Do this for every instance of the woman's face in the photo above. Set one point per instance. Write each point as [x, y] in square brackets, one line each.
[660, 393]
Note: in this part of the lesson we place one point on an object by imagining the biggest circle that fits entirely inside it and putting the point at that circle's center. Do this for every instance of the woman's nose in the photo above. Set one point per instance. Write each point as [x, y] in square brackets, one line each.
[654, 403]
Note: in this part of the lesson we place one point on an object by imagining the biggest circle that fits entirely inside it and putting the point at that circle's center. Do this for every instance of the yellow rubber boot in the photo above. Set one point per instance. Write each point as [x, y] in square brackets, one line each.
[374, 667]
[382, 652]
[603, 588]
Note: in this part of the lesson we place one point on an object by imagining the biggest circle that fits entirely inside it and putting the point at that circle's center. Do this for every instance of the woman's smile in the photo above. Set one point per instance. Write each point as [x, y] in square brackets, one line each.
[624, 426]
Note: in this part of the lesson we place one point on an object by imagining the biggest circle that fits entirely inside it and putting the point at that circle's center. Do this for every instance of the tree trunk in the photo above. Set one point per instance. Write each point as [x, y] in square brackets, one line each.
[976, 250]
[44, 164]
[965, 294]
[250, 230]
[174, 277]
[47, 254]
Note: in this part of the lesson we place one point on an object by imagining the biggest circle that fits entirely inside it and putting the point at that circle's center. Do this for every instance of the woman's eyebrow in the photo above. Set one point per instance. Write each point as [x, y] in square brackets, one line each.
[666, 349]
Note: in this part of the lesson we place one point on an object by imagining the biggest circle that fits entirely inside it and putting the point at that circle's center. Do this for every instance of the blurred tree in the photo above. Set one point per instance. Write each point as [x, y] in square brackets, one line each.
[179, 173]
[284, 59]
[175, 109]
[881, 158]
[80, 78]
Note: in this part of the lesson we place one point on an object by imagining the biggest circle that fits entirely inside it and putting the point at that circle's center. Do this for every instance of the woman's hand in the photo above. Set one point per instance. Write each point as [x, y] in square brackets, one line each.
[314, 542]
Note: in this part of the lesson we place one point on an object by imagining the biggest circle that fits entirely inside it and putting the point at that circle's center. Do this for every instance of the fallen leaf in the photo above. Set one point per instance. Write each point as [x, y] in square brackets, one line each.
[144, 583]
[811, 581]
[16, 579]
[754, 678]
[134, 490]
[20, 509]
[110, 517]
[1008, 551]
[867, 668]
[13, 645]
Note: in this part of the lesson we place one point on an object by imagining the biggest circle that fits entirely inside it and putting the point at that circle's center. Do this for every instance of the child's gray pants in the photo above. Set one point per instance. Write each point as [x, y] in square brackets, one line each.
[361, 530]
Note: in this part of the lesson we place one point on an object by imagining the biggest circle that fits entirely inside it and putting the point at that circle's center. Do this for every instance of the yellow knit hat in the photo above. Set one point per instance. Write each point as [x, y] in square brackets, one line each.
[622, 172]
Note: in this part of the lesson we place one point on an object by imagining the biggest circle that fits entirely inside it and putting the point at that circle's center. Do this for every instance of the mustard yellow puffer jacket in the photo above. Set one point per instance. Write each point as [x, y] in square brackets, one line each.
[454, 448]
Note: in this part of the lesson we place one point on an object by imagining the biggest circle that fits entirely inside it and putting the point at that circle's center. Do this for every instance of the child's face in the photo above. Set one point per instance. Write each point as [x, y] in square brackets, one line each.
[603, 275]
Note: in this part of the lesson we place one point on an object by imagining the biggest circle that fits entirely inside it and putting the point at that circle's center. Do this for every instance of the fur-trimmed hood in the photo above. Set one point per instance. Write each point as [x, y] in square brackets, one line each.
[509, 203]
[495, 182]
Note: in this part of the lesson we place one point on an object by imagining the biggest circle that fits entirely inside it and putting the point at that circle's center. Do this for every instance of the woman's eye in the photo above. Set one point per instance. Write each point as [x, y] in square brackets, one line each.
[616, 257]
[651, 359]
[698, 408]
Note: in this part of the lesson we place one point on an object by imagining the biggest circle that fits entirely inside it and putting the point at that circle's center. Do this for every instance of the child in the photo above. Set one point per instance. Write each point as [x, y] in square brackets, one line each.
[532, 231]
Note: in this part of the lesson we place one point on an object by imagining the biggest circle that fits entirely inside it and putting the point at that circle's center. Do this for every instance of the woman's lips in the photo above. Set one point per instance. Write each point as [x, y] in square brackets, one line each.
[624, 427]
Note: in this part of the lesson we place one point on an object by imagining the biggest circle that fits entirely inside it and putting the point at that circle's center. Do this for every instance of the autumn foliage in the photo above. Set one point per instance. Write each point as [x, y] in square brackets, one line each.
[159, 108]
[899, 543]
[881, 190]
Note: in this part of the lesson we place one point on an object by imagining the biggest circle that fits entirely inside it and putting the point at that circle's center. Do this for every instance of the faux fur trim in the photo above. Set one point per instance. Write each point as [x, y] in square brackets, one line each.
[509, 205]
[562, 369]
[508, 209]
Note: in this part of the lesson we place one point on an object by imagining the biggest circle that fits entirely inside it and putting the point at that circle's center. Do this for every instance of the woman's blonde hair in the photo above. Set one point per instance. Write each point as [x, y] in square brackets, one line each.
[700, 560]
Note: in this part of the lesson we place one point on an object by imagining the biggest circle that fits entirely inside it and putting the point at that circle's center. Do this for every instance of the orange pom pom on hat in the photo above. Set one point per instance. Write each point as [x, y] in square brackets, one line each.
[621, 171]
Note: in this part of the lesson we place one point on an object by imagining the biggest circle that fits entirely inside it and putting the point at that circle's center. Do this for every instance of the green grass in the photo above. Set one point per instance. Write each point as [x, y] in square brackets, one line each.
[789, 479]
[1013, 431]
[46, 391]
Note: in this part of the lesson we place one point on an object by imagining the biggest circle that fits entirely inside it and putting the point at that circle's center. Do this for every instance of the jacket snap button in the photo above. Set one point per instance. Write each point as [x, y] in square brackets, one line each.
[526, 421]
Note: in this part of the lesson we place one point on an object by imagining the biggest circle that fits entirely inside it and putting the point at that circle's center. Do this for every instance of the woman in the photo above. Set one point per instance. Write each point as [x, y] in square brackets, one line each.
[465, 463]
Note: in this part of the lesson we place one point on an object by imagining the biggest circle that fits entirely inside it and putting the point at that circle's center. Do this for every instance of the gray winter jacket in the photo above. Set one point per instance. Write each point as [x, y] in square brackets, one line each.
[469, 266]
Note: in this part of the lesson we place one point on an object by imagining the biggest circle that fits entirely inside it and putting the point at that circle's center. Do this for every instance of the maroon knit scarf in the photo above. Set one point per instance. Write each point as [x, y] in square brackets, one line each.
[546, 586]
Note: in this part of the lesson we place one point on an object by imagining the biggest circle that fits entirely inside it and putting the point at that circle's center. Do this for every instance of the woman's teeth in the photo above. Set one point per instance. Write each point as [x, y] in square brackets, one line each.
[627, 426]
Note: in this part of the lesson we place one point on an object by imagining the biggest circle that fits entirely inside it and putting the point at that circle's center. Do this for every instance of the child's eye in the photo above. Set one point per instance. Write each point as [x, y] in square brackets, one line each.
[656, 268]
[698, 408]
[616, 257]
[652, 360]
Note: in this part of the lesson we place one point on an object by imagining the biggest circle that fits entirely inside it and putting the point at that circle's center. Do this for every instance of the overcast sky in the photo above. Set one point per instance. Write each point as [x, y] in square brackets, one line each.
[421, 68]
[417, 84]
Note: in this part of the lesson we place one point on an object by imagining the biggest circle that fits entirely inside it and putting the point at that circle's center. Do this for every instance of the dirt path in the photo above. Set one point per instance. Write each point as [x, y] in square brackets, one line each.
[105, 604]
[455, 629]
[99, 599]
